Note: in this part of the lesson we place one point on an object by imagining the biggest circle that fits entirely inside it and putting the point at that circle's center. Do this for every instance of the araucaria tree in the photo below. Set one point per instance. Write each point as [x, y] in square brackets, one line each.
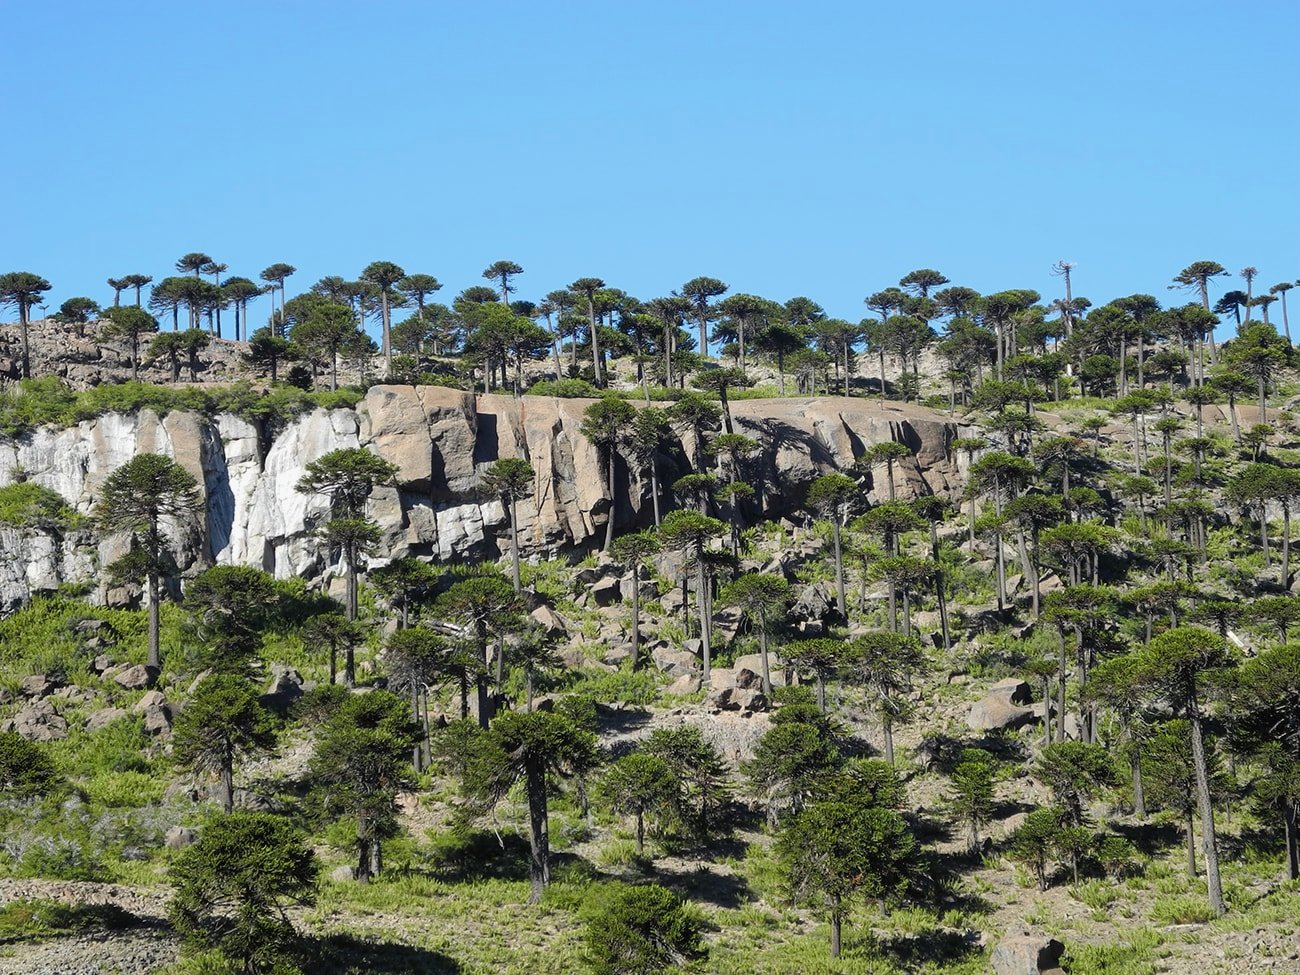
[511, 478]
[143, 498]
[221, 722]
[23, 290]
[347, 477]
[528, 749]
[1181, 666]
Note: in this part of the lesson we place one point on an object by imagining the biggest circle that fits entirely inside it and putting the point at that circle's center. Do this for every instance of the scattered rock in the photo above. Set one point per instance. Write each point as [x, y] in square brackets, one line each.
[38, 685]
[38, 721]
[1014, 690]
[179, 837]
[674, 662]
[137, 677]
[342, 874]
[1027, 954]
[683, 685]
[606, 592]
[150, 699]
[103, 718]
[738, 699]
[550, 621]
[100, 664]
[158, 720]
[997, 713]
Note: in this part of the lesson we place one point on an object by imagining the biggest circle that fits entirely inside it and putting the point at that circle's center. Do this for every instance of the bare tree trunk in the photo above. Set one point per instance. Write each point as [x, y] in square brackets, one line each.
[1207, 816]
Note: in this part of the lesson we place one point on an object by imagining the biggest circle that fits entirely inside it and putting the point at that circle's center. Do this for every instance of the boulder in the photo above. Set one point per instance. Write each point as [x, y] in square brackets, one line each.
[617, 654]
[158, 720]
[1021, 953]
[996, 713]
[674, 662]
[179, 837]
[550, 621]
[100, 664]
[103, 718]
[684, 685]
[606, 592]
[38, 685]
[816, 602]
[38, 721]
[342, 874]
[286, 686]
[150, 699]
[1014, 690]
[137, 678]
[738, 699]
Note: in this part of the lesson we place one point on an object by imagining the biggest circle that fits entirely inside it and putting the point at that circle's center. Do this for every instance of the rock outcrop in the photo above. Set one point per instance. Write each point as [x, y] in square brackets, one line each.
[441, 440]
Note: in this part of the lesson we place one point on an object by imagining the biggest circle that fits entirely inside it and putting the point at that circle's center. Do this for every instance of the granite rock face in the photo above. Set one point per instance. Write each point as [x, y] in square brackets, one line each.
[441, 439]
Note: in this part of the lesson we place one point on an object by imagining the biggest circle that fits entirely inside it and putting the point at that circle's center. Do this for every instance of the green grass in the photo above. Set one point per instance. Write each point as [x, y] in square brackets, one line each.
[32, 919]
[28, 505]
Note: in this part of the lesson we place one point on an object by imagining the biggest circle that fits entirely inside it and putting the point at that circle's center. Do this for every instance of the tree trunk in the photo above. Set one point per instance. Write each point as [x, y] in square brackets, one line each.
[703, 599]
[1190, 836]
[613, 503]
[514, 544]
[155, 658]
[1292, 846]
[836, 925]
[539, 869]
[763, 658]
[1139, 797]
[227, 784]
[1207, 816]
[636, 616]
[839, 567]
[363, 850]
[887, 726]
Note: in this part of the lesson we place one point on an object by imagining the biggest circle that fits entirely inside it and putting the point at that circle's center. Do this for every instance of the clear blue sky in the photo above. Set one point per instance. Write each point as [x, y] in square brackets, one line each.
[814, 148]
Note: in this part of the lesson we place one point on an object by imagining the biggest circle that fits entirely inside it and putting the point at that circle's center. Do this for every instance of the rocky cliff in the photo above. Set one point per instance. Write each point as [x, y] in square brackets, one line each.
[441, 439]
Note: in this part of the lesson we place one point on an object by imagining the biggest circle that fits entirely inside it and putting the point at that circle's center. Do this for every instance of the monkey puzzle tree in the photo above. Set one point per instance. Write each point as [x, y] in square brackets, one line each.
[347, 477]
[697, 416]
[235, 885]
[970, 799]
[690, 533]
[649, 434]
[637, 785]
[699, 291]
[762, 599]
[1181, 666]
[384, 275]
[605, 423]
[360, 763]
[587, 288]
[719, 381]
[529, 749]
[130, 322]
[636, 551]
[502, 272]
[885, 665]
[138, 499]
[23, 290]
[222, 721]
[511, 478]
[831, 496]
[486, 606]
[835, 852]
[326, 332]
[334, 632]
[402, 582]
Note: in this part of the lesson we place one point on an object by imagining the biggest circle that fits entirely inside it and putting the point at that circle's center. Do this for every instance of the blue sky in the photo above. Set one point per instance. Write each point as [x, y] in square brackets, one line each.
[815, 148]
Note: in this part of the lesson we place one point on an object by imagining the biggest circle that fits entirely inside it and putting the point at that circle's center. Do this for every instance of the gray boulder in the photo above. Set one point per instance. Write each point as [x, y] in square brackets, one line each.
[1022, 953]
[137, 678]
[103, 718]
[38, 721]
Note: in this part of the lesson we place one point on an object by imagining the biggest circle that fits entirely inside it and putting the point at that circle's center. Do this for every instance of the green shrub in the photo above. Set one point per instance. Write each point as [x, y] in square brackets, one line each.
[26, 504]
[1182, 910]
[25, 918]
[630, 687]
[641, 930]
[124, 790]
[564, 389]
